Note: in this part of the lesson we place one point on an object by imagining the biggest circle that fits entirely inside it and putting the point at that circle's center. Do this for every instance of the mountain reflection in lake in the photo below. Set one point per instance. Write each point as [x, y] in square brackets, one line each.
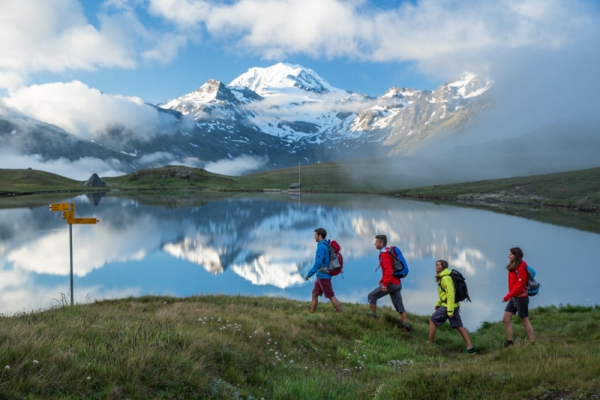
[263, 245]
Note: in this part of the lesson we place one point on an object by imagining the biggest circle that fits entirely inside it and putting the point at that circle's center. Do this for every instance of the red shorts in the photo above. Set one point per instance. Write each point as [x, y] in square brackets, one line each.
[323, 286]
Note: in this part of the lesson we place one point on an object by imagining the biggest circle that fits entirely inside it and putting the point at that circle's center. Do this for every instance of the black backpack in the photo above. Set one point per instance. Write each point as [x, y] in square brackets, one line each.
[461, 293]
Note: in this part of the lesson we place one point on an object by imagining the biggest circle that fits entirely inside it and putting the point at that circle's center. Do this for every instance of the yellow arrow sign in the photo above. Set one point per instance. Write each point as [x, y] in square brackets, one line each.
[59, 207]
[68, 214]
[82, 221]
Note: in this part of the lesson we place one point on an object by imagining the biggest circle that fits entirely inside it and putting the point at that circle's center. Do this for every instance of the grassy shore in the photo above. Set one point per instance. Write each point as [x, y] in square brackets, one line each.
[568, 198]
[574, 189]
[229, 347]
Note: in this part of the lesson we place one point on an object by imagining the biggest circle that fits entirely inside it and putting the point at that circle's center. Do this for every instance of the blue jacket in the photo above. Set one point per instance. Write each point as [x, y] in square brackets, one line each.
[321, 260]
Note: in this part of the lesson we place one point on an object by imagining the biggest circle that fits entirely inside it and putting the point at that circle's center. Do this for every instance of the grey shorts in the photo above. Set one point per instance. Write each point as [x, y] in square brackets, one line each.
[519, 306]
[441, 315]
[395, 296]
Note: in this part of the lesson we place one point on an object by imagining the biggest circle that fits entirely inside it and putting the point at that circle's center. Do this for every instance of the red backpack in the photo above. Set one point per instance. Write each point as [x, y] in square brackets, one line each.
[336, 261]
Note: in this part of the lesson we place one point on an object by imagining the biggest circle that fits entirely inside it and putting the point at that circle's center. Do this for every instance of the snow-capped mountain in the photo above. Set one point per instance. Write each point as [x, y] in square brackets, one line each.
[281, 114]
[300, 108]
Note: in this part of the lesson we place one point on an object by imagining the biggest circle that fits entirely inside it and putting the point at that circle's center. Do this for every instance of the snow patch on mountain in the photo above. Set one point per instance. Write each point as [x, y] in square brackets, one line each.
[283, 79]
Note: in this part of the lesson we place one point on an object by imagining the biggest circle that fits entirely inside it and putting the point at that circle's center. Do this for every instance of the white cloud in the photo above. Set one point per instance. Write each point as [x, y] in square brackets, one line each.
[80, 169]
[84, 111]
[422, 32]
[237, 166]
[55, 35]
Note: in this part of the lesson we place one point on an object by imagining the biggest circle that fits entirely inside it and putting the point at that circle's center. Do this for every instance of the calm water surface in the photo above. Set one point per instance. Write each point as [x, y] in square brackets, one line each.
[263, 246]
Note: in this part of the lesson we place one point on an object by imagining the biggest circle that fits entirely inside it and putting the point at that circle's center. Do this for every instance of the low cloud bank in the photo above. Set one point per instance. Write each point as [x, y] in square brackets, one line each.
[85, 111]
[237, 166]
[79, 170]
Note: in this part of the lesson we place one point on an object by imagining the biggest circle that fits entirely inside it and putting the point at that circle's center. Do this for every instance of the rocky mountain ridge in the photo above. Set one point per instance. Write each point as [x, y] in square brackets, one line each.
[283, 114]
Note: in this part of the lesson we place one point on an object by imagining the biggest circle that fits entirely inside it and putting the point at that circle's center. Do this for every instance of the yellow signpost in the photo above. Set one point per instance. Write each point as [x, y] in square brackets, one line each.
[60, 207]
[68, 214]
[82, 221]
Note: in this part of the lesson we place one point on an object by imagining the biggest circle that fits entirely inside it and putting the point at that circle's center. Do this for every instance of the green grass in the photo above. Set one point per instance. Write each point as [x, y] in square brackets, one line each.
[21, 181]
[170, 177]
[573, 189]
[229, 347]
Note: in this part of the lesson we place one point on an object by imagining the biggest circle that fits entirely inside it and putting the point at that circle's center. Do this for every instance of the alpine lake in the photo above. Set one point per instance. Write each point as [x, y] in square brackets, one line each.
[262, 245]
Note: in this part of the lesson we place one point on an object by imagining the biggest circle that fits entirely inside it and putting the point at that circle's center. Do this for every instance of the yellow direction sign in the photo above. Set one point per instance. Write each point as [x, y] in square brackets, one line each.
[59, 207]
[82, 221]
[68, 214]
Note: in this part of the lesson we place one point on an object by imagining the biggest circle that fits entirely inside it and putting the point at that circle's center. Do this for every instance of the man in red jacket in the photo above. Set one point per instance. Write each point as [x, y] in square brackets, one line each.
[388, 284]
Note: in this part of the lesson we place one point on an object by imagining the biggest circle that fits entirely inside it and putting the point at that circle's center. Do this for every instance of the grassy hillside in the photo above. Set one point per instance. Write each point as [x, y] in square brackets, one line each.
[573, 189]
[18, 181]
[251, 348]
[170, 177]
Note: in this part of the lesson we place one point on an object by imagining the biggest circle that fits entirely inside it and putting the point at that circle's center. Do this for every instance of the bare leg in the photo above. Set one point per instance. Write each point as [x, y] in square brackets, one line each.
[336, 304]
[373, 308]
[403, 318]
[507, 325]
[529, 329]
[465, 335]
[432, 330]
[313, 304]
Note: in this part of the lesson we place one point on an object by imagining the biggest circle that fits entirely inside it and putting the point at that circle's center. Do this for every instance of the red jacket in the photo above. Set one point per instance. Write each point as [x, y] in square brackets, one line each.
[387, 269]
[517, 282]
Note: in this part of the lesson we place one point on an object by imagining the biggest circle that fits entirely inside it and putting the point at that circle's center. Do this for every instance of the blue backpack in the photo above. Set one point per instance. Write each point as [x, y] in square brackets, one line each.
[400, 265]
[533, 287]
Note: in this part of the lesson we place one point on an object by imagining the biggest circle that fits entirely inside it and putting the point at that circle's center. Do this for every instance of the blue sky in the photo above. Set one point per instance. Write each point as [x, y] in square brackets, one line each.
[160, 49]
[85, 65]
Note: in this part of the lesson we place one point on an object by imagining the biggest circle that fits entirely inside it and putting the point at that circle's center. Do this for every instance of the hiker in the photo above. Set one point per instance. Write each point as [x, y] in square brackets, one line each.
[388, 284]
[323, 282]
[446, 308]
[517, 297]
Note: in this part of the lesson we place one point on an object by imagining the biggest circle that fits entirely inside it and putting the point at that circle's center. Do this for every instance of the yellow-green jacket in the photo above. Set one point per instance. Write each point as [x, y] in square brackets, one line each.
[446, 292]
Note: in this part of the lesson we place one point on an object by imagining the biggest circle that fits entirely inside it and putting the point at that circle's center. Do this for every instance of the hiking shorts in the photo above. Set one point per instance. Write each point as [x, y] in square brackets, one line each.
[519, 306]
[441, 315]
[323, 286]
[395, 296]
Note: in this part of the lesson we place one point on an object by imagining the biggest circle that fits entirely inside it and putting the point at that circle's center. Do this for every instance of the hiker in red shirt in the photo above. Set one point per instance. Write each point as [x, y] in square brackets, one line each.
[388, 284]
[517, 297]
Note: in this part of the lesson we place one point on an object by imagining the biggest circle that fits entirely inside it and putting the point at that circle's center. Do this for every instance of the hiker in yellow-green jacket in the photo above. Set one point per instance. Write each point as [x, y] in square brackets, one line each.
[446, 308]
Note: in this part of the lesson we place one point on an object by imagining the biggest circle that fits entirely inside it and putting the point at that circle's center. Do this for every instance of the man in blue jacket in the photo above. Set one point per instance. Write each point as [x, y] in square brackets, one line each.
[323, 282]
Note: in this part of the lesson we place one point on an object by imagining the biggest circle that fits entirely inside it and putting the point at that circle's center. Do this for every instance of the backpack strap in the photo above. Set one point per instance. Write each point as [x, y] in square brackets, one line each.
[440, 282]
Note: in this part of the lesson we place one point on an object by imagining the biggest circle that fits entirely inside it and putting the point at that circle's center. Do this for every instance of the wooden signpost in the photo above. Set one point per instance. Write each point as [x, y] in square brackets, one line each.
[68, 214]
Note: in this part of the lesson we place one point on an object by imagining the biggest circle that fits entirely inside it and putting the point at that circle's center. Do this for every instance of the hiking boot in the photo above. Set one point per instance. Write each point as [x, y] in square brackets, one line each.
[472, 350]
[374, 316]
[406, 328]
[508, 343]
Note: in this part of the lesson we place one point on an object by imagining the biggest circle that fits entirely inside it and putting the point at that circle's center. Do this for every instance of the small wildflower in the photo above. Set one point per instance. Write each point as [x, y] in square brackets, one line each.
[88, 378]
[250, 336]
[7, 367]
[291, 361]
[165, 302]
[36, 362]
[268, 334]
